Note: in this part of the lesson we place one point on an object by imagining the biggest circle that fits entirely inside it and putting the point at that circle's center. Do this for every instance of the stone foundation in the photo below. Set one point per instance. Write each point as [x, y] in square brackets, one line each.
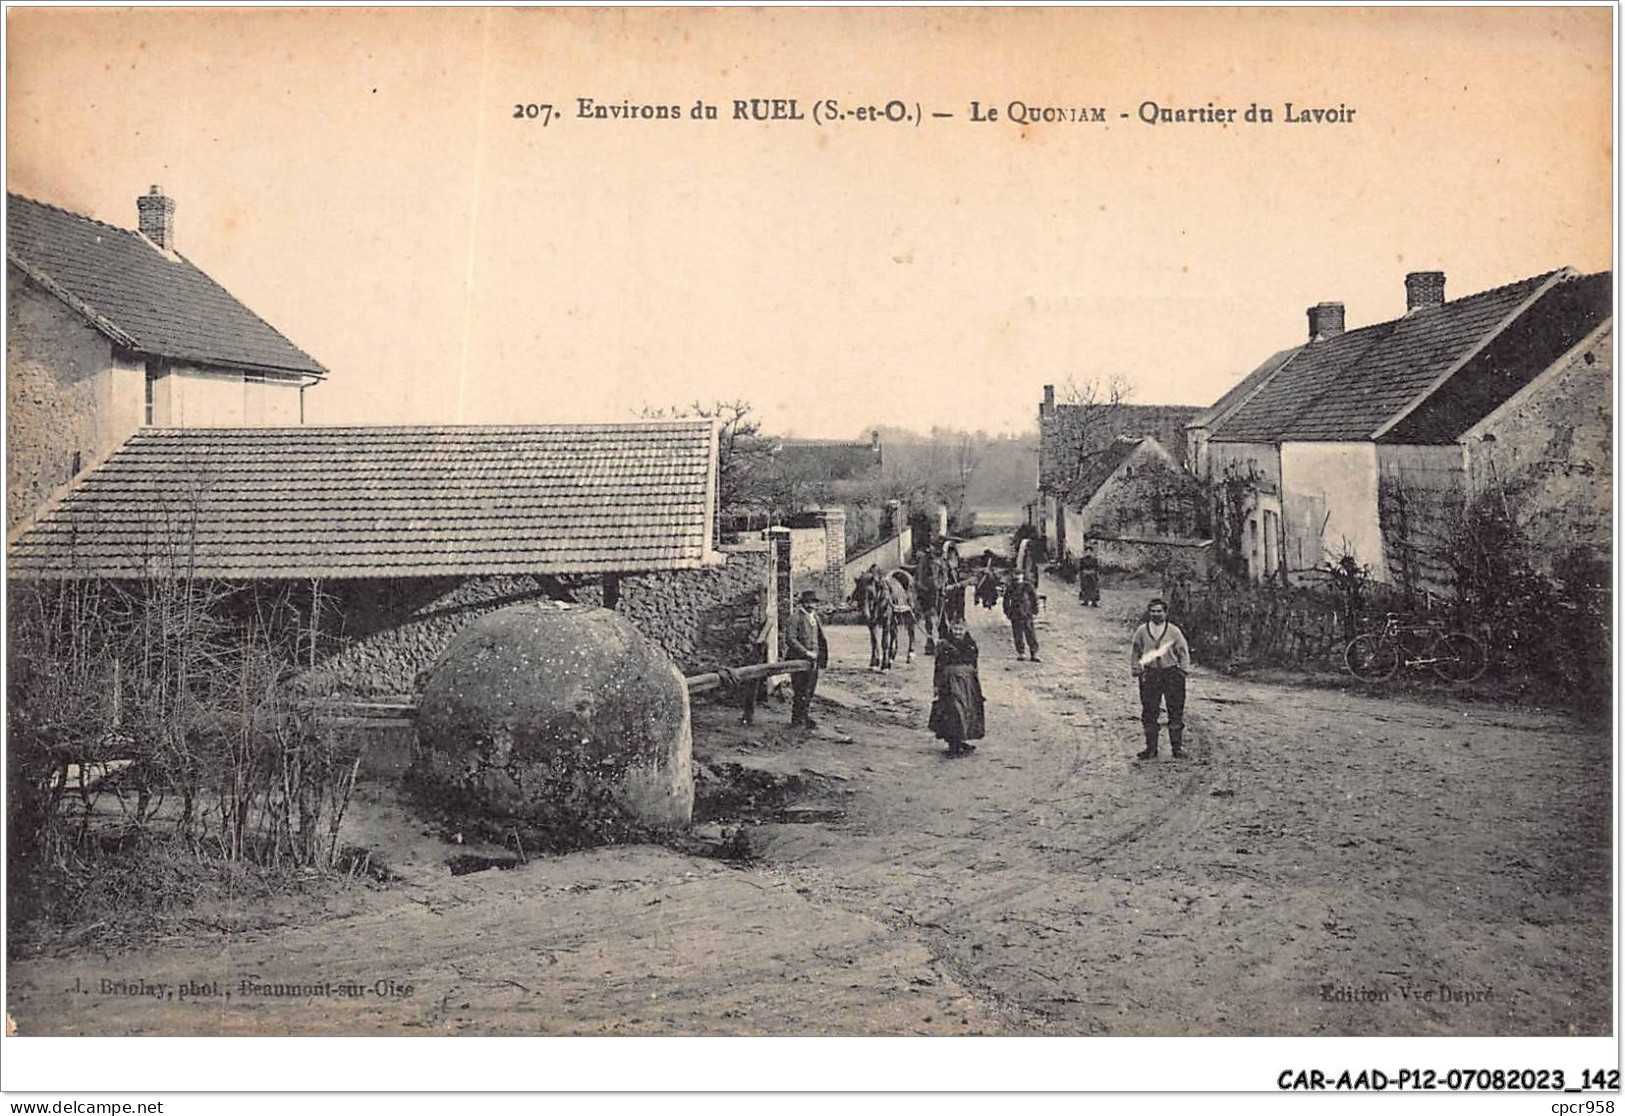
[379, 636]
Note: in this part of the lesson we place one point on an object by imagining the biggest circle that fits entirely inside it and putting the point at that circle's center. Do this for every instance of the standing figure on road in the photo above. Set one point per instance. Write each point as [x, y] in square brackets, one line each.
[805, 640]
[1160, 658]
[1021, 606]
[987, 588]
[957, 710]
[751, 692]
[1089, 579]
[953, 601]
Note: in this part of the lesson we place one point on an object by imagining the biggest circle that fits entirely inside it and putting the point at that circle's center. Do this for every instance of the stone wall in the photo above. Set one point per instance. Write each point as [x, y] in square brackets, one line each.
[806, 551]
[379, 635]
[1549, 450]
[66, 395]
[701, 618]
[1149, 496]
[1189, 559]
[818, 553]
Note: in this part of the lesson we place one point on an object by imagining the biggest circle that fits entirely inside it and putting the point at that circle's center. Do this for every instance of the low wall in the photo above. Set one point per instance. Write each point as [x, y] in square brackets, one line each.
[381, 635]
[1189, 555]
[888, 554]
[702, 618]
[817, 544]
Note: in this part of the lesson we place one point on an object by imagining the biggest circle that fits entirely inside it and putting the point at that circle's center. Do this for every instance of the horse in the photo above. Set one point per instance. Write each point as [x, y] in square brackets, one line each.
[941, 593]
[900, 586]
[875, 600]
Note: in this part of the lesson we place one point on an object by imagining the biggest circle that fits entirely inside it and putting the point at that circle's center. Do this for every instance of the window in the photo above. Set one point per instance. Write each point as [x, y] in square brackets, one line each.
[152, 386]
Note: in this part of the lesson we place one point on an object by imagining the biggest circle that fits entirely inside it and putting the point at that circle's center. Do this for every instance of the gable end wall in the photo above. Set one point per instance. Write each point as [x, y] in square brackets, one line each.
[66, 392]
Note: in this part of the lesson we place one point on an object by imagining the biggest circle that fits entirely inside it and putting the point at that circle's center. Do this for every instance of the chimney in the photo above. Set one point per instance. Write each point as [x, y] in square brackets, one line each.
[1325, 320]
[1048, 407]
[1423, 290]
[157, 218]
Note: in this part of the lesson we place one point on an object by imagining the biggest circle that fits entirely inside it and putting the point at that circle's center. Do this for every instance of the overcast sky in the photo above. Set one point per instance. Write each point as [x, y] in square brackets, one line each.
[358, 178]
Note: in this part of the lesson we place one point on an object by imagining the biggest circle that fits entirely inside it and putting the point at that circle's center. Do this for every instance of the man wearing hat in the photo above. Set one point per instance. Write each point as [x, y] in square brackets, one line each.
[1021, 605]
[805, 640]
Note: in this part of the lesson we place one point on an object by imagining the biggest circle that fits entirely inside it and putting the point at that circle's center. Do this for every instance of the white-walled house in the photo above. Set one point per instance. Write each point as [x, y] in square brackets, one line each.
[1357, 440]
[111, 330]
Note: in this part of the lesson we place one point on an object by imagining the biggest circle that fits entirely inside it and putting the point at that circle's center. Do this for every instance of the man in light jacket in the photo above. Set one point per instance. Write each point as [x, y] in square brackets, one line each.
[1160, 658]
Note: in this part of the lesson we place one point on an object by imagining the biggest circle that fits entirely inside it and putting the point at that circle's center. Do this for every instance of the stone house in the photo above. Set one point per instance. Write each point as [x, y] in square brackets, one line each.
[392, 538]
[111, 330]
[1070, 435]
[1370, 443]
[1131, 502]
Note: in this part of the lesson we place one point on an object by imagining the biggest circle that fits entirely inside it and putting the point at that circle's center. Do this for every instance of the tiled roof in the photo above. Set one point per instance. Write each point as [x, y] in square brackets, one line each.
[418, 501]
[1237, 395]
[1072, 430]
[1098, 468]
[1348, 387]
[1565, 315]
[141, 298]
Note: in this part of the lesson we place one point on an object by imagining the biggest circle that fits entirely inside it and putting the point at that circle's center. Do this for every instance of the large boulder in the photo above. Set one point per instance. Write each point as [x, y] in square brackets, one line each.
[558, 718]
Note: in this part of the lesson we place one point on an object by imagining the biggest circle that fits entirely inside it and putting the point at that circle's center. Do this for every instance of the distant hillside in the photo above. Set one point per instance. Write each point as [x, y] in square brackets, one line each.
[1006, 472]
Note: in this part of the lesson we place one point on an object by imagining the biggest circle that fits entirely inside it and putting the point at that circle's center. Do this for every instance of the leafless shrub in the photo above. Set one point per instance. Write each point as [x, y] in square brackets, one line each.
[156, 713]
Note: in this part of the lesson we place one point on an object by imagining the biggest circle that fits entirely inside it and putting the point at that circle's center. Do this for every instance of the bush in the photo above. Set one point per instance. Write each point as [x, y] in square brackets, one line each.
[152, 713]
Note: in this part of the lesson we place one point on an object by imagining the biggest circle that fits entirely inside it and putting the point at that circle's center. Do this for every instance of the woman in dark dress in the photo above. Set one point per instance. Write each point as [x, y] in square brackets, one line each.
[1089, 580]
[957, 710]
[987, 588]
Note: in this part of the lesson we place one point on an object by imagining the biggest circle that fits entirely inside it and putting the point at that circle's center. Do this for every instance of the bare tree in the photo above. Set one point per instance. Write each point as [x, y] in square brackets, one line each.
[744, 457]
[966, 456]
[1096, 415]
[1115, 390]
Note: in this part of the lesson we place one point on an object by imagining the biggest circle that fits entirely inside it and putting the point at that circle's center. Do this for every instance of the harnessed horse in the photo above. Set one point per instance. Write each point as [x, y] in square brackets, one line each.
[876, 602]
[941, 593]
[900, 586]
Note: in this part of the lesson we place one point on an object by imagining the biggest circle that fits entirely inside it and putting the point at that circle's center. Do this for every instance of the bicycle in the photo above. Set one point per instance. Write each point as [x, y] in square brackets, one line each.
[1454, 656]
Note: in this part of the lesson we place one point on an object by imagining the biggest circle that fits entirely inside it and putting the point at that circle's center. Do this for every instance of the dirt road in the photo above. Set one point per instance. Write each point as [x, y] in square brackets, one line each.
[1319, 863]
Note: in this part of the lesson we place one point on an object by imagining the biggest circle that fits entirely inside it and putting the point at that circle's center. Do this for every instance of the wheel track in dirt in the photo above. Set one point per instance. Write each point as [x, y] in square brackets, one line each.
[1084, 761]
[1058, 790]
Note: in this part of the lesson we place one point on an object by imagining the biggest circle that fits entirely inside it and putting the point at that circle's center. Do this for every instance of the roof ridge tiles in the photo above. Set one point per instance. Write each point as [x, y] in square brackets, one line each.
[13, 195]
[157, 302]
[603, 496]
[1346, 387]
